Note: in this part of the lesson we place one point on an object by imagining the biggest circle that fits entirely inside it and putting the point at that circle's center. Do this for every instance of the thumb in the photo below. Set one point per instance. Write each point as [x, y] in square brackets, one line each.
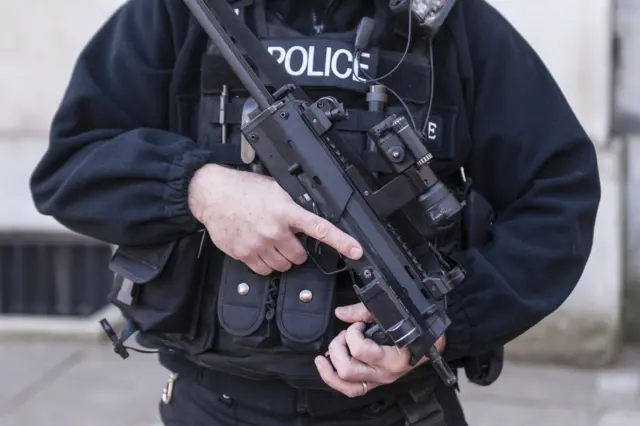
[354, 313]
[326, 232]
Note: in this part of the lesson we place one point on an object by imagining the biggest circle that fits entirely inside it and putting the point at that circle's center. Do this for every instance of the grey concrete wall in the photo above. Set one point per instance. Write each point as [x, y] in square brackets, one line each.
[631, 306]
[627, 89]
[627, 124]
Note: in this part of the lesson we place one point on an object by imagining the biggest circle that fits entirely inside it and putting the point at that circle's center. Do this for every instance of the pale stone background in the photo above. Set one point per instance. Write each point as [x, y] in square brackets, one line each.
[627, 123]
[41, 38]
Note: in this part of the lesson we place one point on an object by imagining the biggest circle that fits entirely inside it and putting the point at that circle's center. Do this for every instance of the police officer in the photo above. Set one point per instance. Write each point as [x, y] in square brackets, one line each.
[145, 153]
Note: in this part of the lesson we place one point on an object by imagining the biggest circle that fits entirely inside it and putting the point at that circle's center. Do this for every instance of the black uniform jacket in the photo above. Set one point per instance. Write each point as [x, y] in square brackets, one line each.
[117, 167]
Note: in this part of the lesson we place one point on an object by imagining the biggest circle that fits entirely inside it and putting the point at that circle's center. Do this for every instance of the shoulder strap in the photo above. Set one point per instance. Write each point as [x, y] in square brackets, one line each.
[260, 18]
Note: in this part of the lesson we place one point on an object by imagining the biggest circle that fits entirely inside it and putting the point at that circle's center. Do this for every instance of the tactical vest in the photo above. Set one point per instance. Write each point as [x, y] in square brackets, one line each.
[190, 299]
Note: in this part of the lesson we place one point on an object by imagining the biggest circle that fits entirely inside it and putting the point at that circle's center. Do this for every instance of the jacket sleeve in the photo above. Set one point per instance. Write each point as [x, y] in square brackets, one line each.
[533, 161]
[112, 171]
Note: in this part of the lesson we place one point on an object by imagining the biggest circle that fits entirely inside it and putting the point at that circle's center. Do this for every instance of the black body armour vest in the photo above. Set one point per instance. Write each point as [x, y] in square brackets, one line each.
[191, 299]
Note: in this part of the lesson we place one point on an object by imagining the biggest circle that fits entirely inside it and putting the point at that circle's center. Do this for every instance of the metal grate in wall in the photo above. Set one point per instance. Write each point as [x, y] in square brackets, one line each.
[53, 275]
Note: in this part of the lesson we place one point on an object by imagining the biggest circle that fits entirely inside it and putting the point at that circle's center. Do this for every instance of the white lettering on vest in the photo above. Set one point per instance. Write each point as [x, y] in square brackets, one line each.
[433, 127]
[358, 66]
[327, 61]
[341, 64]
[334, 64]
[303, 66]
[312, 58]
[279, 51]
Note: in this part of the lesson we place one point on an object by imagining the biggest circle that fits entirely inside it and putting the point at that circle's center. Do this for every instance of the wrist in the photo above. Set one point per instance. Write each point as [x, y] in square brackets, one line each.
[441, 344]
[198, 189]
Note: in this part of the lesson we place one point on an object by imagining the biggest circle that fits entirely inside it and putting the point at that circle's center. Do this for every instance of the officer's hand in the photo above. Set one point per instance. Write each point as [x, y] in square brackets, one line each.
[353, 359]
[252, 219]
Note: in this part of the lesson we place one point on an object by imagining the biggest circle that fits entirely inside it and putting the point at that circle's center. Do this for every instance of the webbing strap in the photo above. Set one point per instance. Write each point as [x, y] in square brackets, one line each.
[227, 154]
[357, 121]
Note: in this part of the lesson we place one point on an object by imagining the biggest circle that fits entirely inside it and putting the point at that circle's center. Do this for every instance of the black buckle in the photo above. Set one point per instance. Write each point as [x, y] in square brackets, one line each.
[118, 346]
[484, 370]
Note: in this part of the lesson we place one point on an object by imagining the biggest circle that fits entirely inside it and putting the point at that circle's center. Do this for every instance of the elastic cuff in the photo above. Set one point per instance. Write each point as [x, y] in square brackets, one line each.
[178, 189]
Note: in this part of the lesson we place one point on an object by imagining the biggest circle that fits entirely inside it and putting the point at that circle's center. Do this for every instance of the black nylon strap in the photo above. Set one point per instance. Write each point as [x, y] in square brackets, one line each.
[246, 40]
[409, 81]
[358, 120]
[228, 154]
[260, 18]
[279, 396]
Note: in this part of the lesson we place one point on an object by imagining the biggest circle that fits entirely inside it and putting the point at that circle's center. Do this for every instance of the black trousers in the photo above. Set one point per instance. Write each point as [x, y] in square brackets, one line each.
[190, 403]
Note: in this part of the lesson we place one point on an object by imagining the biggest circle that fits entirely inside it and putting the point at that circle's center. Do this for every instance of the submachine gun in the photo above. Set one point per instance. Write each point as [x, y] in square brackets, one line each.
[294, 140]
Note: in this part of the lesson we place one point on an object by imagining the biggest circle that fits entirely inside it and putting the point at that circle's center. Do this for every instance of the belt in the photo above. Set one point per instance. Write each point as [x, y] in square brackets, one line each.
[276, 396]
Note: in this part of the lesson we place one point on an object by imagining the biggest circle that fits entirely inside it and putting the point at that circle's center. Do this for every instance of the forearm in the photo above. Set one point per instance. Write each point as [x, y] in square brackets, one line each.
[129, 189]
[538, 250]
[115, 168]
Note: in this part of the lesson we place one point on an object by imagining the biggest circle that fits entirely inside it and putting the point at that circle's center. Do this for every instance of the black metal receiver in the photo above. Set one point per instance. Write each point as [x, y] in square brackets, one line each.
[293, 139]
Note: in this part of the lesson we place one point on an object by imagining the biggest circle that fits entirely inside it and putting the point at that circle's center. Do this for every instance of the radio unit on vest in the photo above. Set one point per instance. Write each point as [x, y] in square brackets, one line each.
[429, 15]
[294, 138]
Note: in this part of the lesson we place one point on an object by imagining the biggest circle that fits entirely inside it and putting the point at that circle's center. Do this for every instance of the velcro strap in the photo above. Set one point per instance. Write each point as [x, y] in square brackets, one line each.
[410, 81]
[227, 154]
[358, 121]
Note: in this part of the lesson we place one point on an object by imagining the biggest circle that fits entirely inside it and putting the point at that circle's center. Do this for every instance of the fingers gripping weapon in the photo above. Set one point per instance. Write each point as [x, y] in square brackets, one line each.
[294, 140]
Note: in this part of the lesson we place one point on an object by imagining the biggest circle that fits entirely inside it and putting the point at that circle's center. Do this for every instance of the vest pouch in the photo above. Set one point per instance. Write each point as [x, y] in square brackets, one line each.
[247, 306]
[305, 304]
[161, 289]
